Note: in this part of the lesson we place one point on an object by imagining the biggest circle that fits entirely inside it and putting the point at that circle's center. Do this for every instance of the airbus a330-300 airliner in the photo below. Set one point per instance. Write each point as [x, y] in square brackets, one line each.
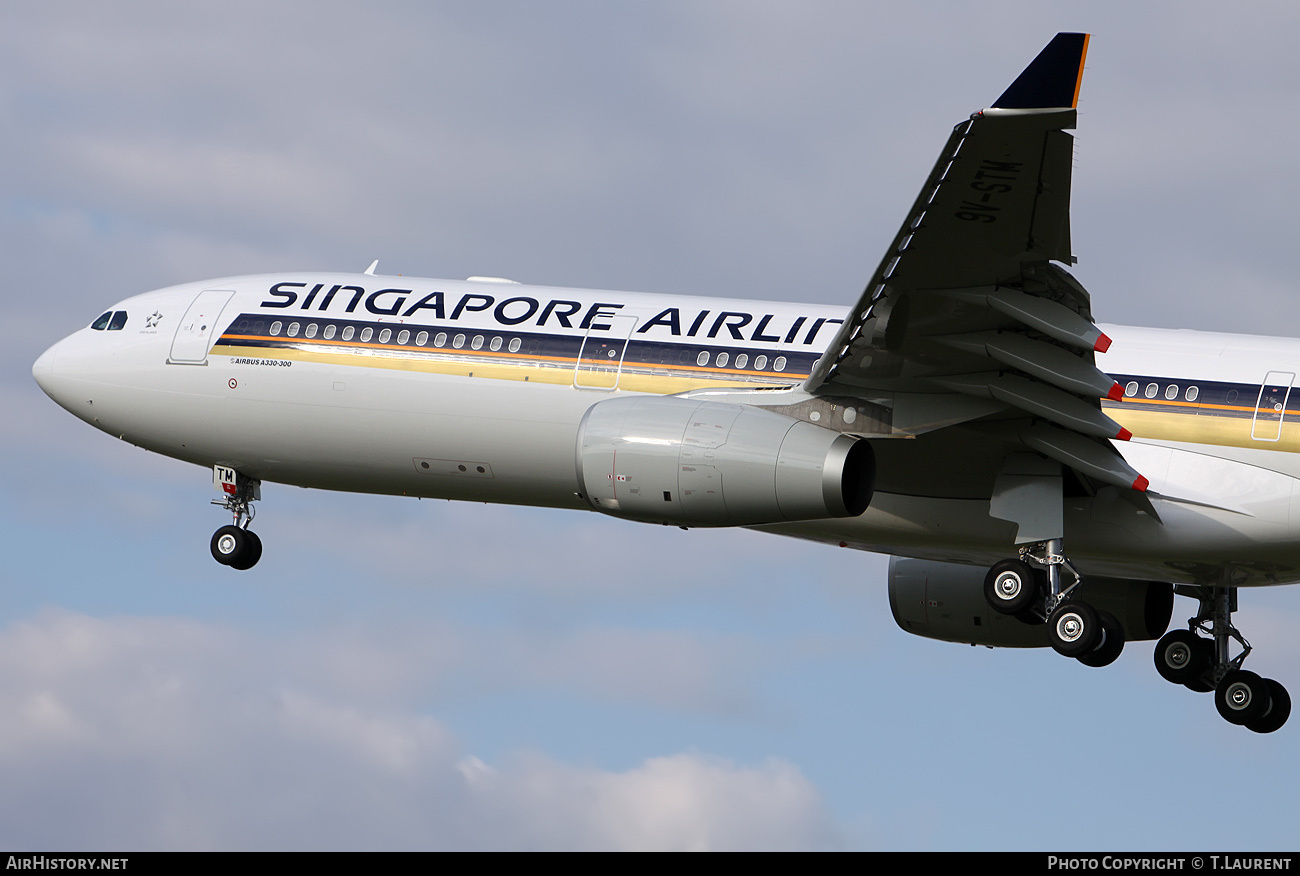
[955, 418]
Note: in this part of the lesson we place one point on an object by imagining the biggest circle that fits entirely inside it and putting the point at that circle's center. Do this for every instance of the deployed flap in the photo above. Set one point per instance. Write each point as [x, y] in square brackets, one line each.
[970, 298]
[1028, 493]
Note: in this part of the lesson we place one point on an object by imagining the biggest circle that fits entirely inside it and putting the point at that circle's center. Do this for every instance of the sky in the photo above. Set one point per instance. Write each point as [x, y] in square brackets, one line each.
[400, 674]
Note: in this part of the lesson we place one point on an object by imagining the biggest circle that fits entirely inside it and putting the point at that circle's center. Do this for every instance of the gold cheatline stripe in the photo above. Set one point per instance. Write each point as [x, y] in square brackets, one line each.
[538, 372]
[1221, 431]
[1182, 404]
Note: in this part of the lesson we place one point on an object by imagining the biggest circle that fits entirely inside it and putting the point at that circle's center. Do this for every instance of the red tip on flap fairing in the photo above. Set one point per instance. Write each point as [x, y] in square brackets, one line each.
[1116, 393]
[1141, 484]
[1123, 435]
[1102, 344]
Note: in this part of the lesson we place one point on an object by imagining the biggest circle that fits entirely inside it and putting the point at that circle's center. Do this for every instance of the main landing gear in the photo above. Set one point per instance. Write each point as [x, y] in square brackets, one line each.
[237, 546]
[1032, 589]
[1203, 664]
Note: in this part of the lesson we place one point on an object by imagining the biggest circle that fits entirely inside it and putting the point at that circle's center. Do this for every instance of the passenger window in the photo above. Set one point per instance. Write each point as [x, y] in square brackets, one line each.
[458, 341]
[403, 336]
[421, 339]
[366, 334]
[760, 363]
[1131, 389]
[441, 340]
[1171, 392]
[275, 327]
[496, 344]
[1152, 389]
[348, 332]
[722, 359]
[385, 335]
[703, 358]
[779, 364]
[514, 345]
[1192, 393]
[742, 360]
[119, 320]
[102, 323]
[329, 332]
[293, 330]
[477, 343]
[311, 331]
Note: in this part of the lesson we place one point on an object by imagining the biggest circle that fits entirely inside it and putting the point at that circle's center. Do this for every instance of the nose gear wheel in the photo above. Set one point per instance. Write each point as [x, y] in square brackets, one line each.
[236, 545]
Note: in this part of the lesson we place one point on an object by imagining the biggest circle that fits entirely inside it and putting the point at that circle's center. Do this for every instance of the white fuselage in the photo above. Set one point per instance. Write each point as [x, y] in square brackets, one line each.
[477, 389]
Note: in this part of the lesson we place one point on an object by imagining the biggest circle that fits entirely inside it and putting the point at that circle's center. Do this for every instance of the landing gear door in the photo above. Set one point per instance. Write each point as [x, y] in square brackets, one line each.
[1271, 407]
[600, 361]
[194, 334]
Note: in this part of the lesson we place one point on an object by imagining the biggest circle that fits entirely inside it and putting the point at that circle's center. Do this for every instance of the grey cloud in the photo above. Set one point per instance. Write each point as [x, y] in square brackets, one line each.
[157, 733]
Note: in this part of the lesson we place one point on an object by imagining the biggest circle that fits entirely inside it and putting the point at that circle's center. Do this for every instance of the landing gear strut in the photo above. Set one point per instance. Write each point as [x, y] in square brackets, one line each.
[1204, 663]
[1032, 588]
[236, 545]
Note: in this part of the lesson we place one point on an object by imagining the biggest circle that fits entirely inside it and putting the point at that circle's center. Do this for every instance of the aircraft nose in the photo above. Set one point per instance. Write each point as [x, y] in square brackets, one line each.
[43, 371]
[53, 375]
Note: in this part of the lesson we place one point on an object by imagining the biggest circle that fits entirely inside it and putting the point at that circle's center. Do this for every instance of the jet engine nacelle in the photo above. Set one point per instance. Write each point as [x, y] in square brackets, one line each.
[946, 601]
[698, 463]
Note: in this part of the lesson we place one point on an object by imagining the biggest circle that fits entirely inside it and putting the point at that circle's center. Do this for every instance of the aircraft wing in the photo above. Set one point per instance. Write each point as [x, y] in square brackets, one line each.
[969, 315]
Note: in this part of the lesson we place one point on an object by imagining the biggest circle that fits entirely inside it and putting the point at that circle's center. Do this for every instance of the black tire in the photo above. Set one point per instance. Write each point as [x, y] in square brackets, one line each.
[229, 544]
[1107, 650]
[252, 552]
[1180, 657]
[1011, 587]
[1073, 629]
[1242, 697]
[1202, 683]
[1279, 709]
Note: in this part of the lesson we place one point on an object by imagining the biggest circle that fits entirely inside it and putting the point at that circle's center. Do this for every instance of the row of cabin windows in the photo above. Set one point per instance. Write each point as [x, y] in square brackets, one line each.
[742, 359]
[458, 342]
[1153, 389]
[386, 335]
[113, 320]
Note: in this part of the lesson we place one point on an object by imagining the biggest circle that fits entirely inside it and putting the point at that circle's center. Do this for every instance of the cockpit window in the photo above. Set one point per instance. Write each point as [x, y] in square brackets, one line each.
[119, 320]
[102, 323]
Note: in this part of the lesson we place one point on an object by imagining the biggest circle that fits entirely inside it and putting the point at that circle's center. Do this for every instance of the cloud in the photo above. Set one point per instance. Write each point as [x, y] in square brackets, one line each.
[686, 802]
[158, 733]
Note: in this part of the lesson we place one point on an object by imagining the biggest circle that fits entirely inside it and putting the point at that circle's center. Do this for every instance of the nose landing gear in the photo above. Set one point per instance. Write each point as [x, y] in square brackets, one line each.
[236, 545]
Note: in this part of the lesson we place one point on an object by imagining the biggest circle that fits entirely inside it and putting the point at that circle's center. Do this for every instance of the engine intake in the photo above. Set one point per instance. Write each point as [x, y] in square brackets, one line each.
[689, 462]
